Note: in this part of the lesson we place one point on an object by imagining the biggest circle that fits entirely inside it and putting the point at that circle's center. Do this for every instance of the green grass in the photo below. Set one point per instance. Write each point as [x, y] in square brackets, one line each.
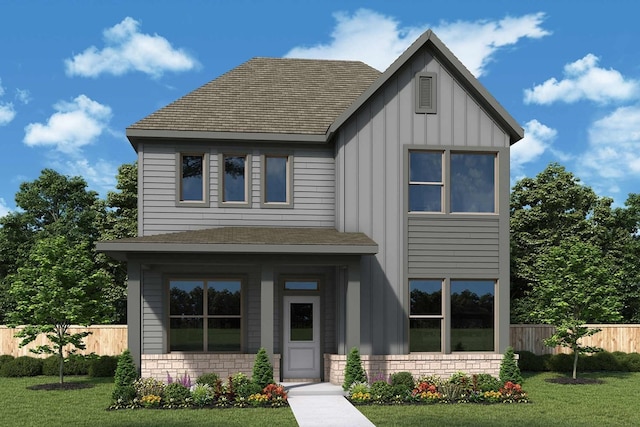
[86, 407]
[613, 403]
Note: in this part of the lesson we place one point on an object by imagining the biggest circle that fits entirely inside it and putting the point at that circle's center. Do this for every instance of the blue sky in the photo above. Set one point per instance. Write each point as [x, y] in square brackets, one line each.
[74, 75]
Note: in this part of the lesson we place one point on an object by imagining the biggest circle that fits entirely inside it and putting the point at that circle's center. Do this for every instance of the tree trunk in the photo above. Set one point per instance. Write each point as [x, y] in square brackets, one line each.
[60, 359]
[575, 362]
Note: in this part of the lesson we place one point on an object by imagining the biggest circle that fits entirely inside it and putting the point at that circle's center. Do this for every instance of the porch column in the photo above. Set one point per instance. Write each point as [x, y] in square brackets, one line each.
[352, 300]
[134, 312]
[266, 309]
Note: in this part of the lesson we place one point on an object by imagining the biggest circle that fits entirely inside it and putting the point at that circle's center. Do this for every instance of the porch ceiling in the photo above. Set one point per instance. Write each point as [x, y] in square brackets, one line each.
[255, 240]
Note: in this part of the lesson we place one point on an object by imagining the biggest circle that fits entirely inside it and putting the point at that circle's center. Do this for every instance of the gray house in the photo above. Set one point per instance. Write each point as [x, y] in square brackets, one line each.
[312, 206]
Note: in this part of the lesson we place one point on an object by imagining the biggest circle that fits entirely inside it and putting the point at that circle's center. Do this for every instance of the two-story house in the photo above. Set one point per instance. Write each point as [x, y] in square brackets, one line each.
[312, 206]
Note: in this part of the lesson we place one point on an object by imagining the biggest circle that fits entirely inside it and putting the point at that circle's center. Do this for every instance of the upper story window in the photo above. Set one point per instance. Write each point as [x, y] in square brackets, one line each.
[192, 179]
[276, 180]
[235, 179]
[452, 181]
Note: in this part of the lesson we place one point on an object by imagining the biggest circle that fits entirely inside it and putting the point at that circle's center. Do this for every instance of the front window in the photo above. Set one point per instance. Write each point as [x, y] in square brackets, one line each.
[276, 189]
[425, 320]
[425, 181]
[235, 179]
[192, 178]
[473, 182]
[472, 315]
[205, 315]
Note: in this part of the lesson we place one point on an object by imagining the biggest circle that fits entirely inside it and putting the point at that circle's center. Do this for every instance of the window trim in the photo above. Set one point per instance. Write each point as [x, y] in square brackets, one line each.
[205, 279]
[433, 109]
[247, 180]
[205, 180]
[498, 153]
[289, 182]
[440, 184]
[440, 316]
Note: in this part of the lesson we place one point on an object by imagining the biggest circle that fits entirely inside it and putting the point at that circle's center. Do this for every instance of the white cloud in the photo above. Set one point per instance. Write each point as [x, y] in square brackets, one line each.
[129, 50]
[4, 208]
[7, 113]
[23, 95]
[614, 146]
[538, 138]
[74, 125]
[378, 40]
[100, 175]
[476, 43]
[584, 79]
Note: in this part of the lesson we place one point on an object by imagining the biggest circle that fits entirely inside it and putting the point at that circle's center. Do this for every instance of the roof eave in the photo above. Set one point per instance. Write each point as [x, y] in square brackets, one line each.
[515, 131]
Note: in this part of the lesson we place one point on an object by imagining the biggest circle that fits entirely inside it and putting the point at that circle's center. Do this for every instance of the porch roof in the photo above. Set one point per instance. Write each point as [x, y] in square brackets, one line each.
[254, 240]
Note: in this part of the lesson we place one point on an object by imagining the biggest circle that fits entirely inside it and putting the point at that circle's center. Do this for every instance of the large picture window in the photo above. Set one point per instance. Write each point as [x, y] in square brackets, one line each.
[205, 315]
[452, 181]
[425, 320]
[472, 315]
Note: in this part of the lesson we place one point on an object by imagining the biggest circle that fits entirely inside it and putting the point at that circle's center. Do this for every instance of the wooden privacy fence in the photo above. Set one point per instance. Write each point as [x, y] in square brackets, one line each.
[112, 339]
[105, 340]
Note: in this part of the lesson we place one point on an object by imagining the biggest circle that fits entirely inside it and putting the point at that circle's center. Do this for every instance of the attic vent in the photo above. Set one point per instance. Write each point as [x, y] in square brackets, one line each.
[426, 91]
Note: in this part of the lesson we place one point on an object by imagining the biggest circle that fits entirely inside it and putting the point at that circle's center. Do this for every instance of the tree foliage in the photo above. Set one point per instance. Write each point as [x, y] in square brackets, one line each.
[57, 288]
[553, 207]
[576, 287]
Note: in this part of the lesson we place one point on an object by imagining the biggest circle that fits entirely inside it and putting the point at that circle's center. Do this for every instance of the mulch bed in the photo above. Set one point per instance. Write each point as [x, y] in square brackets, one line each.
[569, 380]
[58, 386]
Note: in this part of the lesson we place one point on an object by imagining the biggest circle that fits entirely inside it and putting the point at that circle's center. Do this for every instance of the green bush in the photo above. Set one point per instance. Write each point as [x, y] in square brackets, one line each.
[528, 361]
[175, 394]
[126, 374]
[262, 369]
[461, 379]
[23, 366]
[509, 370]
[485, 382]
[403, 379]
[5, 358]
[353, 372]
[381, 391]
[561, 362]
[149, 386]
[601, 361]
[245, 390]
[209, 378]
[630, 361]
[103, 366]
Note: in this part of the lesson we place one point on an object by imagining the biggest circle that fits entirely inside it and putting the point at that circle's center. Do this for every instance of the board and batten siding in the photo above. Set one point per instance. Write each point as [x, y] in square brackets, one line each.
[313, 191]
[370, 198]
[153, 315]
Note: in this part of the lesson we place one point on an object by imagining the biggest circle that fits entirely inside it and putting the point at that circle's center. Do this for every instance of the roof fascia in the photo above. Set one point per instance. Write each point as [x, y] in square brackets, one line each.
[136, 135]
[454, 65]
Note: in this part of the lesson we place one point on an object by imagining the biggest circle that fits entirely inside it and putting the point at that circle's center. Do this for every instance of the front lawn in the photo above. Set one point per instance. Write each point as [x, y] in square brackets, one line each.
[612, 403]
[86, 407]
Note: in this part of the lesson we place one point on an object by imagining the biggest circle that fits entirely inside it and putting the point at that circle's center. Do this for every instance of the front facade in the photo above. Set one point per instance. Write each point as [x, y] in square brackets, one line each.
[309, 207]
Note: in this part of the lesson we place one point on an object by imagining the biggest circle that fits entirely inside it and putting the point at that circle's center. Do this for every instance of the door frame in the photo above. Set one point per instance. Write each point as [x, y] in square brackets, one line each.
[317, 335]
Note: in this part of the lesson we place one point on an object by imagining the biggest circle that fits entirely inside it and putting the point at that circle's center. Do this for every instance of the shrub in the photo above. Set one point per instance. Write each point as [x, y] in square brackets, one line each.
[148, 387]
[5, 358]
[103, 366]
[560, 362]
[602, 361]
[461, 379]
[262, 369]
[23, 366]
[402, 379]
[381, 391]
[202, 394]
[485, 382]
[245, 390]
[210, 378]
[176, 395]
[126, 374]
[509, 370]
[353, 371]
[528, 361]
[630, 361]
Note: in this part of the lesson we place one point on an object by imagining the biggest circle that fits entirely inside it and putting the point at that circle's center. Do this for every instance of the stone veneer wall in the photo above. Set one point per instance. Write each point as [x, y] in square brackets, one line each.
[418, 364]
[195, 364]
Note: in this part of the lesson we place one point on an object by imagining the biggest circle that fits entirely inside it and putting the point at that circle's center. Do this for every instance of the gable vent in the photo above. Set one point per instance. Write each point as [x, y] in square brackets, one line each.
[426, 93]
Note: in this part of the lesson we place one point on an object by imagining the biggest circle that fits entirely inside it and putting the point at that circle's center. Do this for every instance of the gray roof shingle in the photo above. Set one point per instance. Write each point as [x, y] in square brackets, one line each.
[268, 95]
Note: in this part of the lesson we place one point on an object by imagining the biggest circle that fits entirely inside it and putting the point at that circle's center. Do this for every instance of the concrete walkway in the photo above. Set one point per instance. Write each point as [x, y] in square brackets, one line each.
[323, 405]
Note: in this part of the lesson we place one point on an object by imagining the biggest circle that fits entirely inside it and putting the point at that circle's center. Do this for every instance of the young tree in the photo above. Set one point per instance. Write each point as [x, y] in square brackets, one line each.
[576, 287]
[57, 287]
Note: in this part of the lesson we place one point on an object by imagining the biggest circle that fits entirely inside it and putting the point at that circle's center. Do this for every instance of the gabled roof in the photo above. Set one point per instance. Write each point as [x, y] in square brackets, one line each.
[253, 240]
[301, 100]
[454, 66]
[266, 96]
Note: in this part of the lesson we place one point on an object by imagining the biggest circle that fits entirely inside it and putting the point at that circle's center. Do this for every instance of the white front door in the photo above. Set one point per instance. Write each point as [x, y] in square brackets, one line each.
[301, 355]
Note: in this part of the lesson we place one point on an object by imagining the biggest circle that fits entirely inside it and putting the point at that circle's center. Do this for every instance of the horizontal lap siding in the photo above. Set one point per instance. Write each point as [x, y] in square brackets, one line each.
[313, 192]
[450, 247]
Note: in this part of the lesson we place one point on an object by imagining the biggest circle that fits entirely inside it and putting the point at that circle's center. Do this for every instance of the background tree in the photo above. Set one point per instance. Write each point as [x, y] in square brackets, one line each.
[553, 207]
[576, 286]
[57, 288]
